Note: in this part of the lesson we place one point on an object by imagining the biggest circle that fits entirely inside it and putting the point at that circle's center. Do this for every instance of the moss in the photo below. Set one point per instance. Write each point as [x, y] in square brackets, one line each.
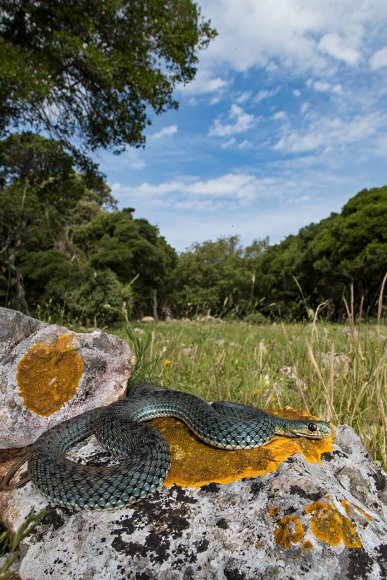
[330, 526]
[289, 531]
[48, 375]
[194, 463]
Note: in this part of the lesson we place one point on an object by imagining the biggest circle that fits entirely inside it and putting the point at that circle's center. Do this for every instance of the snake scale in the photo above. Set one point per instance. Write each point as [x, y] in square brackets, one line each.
[146, 456]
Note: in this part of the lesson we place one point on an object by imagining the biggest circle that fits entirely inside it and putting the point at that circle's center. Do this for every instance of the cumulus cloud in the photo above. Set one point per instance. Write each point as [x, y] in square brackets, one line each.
[237, 189]
[379, 59]
[205, 82]
[238, 122]
[280, 116]
[299, 35]
[324, 87]
[336, 46]
[326, 132]
[165, 132]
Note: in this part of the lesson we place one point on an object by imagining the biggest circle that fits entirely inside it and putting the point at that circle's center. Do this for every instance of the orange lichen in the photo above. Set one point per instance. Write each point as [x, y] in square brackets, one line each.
[48, 375]
[307, 545]
[289, 531]
[273, 511]
[329, 525]
[346, 506]
[195, 463]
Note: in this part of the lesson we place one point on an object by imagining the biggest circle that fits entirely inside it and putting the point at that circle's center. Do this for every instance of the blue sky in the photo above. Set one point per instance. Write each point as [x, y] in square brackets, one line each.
[285, 121]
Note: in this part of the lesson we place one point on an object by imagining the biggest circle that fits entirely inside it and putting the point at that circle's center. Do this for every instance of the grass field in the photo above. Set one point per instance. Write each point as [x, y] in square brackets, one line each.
[338, 372]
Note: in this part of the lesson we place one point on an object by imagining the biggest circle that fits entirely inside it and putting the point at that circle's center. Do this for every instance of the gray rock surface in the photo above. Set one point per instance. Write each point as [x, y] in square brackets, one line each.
[103, 369]
[249, 529]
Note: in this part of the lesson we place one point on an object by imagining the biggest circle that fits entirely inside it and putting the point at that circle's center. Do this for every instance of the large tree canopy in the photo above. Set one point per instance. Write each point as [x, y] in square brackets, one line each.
[95, 69]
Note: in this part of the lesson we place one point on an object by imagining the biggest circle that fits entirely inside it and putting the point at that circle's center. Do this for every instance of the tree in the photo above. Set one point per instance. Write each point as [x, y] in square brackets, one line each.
[94, 70]
[132, 249]
[326, 259]
[41, 194]
[213, 277]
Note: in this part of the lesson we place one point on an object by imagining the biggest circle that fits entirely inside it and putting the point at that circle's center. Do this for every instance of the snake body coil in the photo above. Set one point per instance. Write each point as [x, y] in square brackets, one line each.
[120, 428]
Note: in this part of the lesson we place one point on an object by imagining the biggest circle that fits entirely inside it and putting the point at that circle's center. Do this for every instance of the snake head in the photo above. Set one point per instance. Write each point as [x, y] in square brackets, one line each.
[306, 428]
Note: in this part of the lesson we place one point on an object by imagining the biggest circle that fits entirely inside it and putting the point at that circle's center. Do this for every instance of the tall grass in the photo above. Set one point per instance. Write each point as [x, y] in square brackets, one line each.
[338, 372]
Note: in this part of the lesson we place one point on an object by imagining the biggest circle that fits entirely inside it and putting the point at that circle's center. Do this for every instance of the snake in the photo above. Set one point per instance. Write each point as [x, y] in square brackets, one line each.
[146, 457]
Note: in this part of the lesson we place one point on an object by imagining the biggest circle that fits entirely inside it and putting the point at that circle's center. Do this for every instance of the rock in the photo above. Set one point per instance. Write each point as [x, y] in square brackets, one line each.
[302, 520]
[49, 373]
[209, 318]
[147, 319]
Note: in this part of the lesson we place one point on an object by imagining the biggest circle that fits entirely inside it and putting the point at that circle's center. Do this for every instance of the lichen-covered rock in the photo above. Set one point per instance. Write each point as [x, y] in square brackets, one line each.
[303, 520]
[49, 374]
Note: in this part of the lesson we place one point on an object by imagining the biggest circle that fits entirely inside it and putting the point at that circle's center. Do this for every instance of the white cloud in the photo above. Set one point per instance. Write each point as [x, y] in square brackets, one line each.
[296, 93]
[229, 143]
[204, 82]
[131, 159]
[245, 144]
[298, 35]
[299, 199]
[379, 59]
[280, 116]
[264, 94]
[335, 46]
[333, 133]
[165, 132]
[231, 188]
[324, 87]
[243, 97]
[239, 122]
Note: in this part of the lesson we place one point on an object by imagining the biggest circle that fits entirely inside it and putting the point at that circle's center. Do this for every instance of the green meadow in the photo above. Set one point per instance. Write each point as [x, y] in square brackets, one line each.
[337, 372]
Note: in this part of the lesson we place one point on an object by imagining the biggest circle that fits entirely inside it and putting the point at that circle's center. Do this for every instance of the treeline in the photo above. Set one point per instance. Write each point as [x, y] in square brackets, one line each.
[68, 253]
[341, 259]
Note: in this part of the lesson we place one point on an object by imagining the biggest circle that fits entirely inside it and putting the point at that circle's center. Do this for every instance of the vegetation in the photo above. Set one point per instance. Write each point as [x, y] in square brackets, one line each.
[95, 69]
[9, 543]
[343, 255]
[66, 252]
[333, 371]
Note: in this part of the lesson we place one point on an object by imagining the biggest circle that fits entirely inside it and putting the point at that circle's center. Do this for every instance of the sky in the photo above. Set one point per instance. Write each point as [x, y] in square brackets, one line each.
[285, 121]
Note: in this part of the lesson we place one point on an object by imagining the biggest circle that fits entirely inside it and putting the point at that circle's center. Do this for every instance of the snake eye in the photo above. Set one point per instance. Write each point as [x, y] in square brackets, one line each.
[312, 427]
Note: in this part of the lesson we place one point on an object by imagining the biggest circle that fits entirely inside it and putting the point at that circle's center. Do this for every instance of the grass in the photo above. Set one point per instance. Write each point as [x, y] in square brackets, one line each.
[338, 372]
[9, 543]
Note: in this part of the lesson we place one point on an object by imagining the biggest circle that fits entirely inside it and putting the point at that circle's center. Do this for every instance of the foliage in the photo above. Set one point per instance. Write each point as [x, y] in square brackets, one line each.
[131, 248]
[94, 70]
[216, 277]
[9, 543]
[60, 249]
[41, 195]
[344, 255]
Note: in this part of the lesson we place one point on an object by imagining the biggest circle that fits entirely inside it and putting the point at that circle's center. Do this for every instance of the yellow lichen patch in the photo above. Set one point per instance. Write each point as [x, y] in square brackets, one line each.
[346, 506]
[194, 463]
[329, 525]
[48, 375]
[289, 531]
[273, 511]
[307, 545]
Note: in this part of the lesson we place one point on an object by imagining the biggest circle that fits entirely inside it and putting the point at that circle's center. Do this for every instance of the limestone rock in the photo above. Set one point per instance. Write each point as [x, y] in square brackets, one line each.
[49, 373]
[147, 319]
[303, 520]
